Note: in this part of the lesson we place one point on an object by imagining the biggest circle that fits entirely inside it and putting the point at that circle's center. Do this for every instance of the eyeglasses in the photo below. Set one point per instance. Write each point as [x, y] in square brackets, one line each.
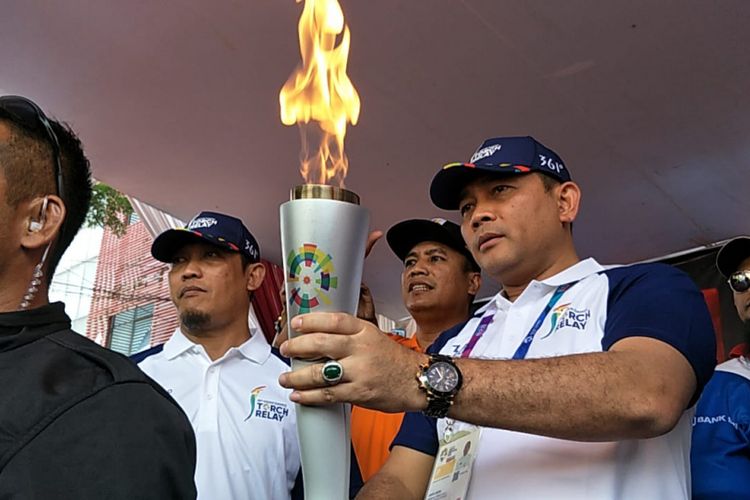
[739, 281]
[28, 115]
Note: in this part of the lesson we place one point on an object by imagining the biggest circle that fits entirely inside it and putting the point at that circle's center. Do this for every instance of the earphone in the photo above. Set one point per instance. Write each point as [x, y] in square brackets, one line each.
[37, 225]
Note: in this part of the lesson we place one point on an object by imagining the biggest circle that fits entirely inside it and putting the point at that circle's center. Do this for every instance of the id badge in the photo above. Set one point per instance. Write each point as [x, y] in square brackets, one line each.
[452, 468]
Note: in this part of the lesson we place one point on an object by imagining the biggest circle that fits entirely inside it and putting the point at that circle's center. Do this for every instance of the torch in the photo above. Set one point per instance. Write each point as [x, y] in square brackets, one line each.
[323, 228]
[323, 237]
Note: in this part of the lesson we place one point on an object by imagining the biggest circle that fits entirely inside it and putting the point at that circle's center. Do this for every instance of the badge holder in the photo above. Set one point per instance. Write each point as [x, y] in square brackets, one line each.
[451, 471]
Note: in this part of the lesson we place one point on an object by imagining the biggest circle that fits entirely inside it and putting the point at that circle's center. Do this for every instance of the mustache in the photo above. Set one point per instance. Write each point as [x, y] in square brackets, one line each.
[190, 288]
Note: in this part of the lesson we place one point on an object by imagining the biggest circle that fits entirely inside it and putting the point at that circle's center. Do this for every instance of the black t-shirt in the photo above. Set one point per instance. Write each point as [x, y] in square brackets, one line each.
[79, 421]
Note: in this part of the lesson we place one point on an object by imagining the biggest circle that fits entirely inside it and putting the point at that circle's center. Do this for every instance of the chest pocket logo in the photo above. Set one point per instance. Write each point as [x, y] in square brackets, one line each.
[565, 316]
[266, 409]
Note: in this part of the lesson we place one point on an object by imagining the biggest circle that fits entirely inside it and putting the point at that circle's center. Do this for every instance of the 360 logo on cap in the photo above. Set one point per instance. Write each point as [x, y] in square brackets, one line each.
[501, 156]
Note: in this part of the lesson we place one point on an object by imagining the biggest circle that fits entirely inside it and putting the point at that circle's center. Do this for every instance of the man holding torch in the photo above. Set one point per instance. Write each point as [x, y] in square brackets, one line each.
[587, 376]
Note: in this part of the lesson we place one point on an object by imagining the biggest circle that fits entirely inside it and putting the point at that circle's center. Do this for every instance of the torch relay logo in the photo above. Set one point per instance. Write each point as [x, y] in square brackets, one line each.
[254, 398]
[310, 276]
[566, 316]
[265, 408]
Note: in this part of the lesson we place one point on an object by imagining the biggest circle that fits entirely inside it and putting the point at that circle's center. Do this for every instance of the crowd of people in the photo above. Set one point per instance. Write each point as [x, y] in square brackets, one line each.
[576, 380]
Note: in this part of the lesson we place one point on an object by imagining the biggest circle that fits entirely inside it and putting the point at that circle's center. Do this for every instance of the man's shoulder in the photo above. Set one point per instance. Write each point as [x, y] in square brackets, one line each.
[737, 366]
[95, 357]
[646, 271]
[70, 375]
[157, 357]
[643, 282]
[728, 390]
[113, 368]
[444, 337]
[139, 357]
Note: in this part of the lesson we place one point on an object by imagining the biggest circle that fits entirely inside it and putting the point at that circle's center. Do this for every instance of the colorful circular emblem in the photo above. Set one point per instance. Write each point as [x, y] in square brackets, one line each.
[310, 276]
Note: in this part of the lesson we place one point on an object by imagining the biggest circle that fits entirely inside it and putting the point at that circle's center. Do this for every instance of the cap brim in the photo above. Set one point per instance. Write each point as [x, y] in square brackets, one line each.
[169, 242]
[405, 235]
[450, 181]
[732, 254]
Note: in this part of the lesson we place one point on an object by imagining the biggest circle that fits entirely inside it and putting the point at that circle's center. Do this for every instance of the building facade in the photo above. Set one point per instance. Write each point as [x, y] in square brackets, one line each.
[130, 306]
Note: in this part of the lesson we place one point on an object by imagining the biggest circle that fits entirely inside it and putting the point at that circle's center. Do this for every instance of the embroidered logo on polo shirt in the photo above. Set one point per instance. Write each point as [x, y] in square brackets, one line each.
[265, 408]
[566, 316]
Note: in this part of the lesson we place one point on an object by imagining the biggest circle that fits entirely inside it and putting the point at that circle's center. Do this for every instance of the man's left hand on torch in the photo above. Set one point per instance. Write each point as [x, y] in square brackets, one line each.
[378, 372]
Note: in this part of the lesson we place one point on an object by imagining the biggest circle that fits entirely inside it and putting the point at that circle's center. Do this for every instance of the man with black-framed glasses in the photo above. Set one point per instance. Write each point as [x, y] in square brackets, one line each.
[720, 455]
[76, 420]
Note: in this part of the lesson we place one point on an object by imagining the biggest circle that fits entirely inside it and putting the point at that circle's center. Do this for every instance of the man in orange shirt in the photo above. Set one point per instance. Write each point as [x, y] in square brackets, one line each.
[438, 285]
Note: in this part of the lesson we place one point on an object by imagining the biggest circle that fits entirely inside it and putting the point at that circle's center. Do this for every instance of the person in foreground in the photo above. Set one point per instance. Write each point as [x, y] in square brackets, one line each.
[720, 455]
[587, 377]
[221, 370]
[76, 420]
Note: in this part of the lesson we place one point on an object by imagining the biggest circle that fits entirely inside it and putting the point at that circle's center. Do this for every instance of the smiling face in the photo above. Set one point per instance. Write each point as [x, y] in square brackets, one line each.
[742, 300]
[516, 226]
[209, 286]
[436, 278]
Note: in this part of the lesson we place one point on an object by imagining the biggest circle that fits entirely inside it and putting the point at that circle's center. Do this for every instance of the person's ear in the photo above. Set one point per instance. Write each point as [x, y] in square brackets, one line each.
[44, 218]
[568, 201]
[475, 282]
[254, 274]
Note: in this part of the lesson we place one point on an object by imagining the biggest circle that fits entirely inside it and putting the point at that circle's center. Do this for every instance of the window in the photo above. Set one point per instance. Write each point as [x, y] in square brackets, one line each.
[133, 218]
[130, 331]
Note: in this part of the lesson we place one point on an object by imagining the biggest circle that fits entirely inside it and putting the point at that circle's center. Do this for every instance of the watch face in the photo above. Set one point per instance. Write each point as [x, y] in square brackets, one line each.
[442, 377]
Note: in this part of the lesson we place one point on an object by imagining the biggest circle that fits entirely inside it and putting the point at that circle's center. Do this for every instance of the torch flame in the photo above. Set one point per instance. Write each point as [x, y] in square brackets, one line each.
[320, 91]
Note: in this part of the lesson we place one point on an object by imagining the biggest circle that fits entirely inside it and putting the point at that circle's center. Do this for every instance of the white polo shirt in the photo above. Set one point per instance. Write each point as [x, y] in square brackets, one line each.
[244, 423]
[602, 307]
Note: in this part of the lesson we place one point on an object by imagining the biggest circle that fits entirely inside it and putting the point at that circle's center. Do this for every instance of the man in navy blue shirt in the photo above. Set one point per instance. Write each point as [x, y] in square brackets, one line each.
[586, 377]
[720, 456]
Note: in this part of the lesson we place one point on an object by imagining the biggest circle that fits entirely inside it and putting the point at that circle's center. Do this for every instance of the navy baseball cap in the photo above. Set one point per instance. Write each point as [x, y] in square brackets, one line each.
[732, 254]
[501, 155]
[407, 234]
[217, 229]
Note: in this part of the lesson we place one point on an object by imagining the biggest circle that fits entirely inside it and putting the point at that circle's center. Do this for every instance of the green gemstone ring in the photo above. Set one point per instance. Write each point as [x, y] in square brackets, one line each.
[332, 372]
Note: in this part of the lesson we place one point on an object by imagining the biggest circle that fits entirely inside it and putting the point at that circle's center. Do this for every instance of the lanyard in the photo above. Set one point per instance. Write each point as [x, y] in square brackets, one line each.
[481, 328]
[526, 342]
[523, 349]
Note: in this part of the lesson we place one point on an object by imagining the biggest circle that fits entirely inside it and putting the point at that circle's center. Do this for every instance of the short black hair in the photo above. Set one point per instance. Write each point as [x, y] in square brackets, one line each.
[469, 266]
[245, 260]
[26, 161]
[549, 182]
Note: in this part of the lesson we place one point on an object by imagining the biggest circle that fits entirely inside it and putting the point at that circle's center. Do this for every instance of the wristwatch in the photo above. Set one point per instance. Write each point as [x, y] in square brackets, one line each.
[441, 379]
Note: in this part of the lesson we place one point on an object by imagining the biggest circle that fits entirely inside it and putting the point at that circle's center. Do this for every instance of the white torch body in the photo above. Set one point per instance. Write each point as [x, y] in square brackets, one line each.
[323, 245]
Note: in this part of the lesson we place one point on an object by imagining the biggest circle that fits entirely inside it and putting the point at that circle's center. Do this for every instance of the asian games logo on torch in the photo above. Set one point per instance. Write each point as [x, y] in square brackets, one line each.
[310, 276]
